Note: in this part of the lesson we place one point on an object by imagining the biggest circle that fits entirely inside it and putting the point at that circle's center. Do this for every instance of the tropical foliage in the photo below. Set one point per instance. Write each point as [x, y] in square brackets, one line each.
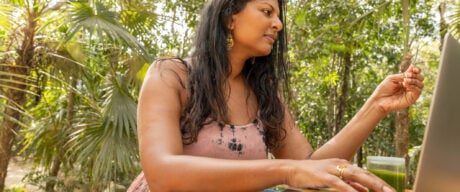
[342, 55]
[71, 71]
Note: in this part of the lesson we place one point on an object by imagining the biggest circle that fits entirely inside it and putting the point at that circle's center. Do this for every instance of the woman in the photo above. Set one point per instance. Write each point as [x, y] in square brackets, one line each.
[207, 123]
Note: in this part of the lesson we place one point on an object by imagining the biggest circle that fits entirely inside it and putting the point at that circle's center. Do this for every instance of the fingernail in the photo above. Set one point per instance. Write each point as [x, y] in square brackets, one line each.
[387, 189]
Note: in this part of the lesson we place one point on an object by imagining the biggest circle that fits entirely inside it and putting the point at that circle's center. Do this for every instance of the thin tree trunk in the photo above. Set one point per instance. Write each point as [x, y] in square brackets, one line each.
[331, 110]
[359, 157]
[402, 121]
[330, 118]
[402, 118]
[442, 23]
[402, 132]
[342, 101]
[17, 98]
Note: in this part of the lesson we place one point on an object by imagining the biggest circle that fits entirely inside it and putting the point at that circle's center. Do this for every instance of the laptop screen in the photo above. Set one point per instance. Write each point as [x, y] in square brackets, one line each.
[439, 164]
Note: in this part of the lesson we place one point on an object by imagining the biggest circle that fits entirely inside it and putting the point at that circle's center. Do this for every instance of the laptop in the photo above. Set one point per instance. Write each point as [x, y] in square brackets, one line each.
[439, 164]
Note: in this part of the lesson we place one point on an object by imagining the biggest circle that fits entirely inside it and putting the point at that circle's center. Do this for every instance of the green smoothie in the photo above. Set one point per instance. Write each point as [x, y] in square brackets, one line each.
[396, 180]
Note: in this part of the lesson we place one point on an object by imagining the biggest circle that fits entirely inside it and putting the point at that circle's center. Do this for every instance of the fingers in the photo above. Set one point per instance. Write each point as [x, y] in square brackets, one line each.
[319, 173]
[358, 186]
[414, 72]
[412, 84]
[357, 179]
[339, 184]
[413, 79]
[367, 179]
[337, 174]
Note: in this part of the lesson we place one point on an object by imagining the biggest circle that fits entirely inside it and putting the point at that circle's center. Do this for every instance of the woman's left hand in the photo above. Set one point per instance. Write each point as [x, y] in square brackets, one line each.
[398, 91]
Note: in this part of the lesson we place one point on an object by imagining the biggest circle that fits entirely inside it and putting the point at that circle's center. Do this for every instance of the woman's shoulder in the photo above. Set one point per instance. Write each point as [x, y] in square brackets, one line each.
[170, 70]
[178, 65]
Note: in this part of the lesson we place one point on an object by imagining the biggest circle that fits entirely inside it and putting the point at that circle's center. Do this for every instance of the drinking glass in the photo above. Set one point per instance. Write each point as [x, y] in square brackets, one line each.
[390, 169]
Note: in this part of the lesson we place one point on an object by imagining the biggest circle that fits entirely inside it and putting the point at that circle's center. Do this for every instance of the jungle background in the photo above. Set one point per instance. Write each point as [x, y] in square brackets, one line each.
[71, 72]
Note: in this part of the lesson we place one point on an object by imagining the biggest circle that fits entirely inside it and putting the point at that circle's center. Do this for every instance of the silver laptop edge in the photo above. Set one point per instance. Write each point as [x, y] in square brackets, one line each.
[439, 164]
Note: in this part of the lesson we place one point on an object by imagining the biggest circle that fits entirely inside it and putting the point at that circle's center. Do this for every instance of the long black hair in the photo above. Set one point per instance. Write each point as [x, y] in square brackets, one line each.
[210, 68]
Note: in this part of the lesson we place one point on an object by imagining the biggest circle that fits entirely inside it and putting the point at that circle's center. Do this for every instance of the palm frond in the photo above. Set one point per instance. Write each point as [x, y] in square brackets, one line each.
[90, 101]
[6, 103]
[5, 17]
[454, 21]
[11, 80]
[106, 155]
[103, 140]
[4, 116]
[18, 2]
[103, 22]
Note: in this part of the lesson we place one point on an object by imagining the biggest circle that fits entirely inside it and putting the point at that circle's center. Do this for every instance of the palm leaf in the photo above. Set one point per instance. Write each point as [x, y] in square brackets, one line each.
[11, 81]
[5, 17]
[120, 108]
[454, 20]
[103, 138]
[103, 22]
[3, 116]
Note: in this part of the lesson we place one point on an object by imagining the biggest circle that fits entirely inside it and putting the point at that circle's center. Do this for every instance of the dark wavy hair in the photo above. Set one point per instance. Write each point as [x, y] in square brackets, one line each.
[210, 67]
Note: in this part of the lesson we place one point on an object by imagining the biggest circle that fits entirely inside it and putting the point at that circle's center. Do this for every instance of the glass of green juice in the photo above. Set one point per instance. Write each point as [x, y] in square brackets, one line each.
[390, 169]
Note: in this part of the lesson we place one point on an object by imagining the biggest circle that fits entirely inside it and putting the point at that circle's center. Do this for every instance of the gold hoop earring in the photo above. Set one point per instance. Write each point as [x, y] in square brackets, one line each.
[229, 42]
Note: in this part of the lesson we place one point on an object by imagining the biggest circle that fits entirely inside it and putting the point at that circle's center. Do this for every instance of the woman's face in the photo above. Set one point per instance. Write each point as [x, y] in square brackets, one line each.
[256, 27]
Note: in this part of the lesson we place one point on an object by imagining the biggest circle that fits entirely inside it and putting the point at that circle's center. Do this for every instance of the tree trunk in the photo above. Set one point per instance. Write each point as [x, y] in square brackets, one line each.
[342, 101]
[402, 116]
[402, 121]
[442, 23]
[402, 132]
[331, 110]
[17, 98]
[359, 157]
[332, 102]
[8, 130]
[56, 166]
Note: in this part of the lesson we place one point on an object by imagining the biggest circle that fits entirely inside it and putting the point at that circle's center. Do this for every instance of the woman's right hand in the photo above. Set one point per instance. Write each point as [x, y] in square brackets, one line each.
[334, 173]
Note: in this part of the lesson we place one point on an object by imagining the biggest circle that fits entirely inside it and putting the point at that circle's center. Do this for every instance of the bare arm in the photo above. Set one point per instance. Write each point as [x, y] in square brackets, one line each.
[394, 93]
[345, 144]
[340, 146]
